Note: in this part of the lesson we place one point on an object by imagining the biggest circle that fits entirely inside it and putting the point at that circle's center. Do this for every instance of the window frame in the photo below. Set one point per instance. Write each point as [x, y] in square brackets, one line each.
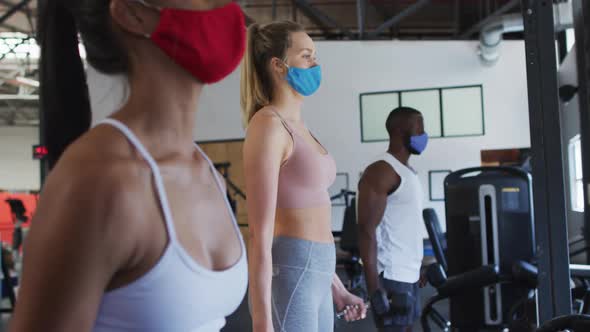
[441, 109]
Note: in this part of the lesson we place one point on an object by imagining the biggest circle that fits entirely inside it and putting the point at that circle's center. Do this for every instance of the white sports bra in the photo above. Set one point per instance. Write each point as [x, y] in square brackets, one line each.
[177, 294]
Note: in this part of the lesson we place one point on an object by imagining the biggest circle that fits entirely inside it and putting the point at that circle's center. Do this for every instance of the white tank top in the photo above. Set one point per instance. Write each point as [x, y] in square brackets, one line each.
[399, 235]
[177, 294]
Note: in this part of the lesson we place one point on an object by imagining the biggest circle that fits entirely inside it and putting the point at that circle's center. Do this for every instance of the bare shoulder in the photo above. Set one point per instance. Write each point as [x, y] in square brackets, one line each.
[265, 120]
[99, 177]
[267, 129]
[379, 175]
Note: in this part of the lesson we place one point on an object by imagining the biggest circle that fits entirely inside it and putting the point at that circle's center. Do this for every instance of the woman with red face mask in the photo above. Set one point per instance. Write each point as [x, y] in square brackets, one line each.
[133, 230]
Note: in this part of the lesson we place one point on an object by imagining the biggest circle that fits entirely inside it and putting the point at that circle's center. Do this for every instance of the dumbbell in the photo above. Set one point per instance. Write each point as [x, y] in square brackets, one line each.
[386, 308]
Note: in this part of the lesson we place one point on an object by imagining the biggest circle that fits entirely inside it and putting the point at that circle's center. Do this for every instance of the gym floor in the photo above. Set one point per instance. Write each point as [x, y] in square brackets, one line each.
[240, 320]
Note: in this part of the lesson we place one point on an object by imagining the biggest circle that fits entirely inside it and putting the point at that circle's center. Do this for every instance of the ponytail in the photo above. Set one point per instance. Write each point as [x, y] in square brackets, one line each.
[264, 43]
[64, 102]
[252, 94]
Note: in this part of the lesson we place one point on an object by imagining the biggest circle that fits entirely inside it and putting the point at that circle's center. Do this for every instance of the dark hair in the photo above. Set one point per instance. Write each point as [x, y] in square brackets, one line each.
[398, 118]
[64, 99]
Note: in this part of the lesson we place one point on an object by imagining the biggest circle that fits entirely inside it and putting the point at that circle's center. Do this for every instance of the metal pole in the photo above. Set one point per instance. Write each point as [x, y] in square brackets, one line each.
[581, 11]
[457, 18]
[361, 6]
[554, 298]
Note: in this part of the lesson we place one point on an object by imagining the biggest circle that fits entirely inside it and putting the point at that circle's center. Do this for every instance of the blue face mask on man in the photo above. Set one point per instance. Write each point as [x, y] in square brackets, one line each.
[306, 81]
[418, 143]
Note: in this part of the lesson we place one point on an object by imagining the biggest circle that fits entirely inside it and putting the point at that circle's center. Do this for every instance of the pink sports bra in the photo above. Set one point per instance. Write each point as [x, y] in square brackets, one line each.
[306, 175]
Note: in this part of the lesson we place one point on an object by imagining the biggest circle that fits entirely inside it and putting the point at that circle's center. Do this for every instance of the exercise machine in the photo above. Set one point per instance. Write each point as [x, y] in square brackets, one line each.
[489, 223]
[349, 244]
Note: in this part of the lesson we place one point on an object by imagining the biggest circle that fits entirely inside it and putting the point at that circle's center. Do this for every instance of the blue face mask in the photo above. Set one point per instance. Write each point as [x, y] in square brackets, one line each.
[305, 81]
[418, 143]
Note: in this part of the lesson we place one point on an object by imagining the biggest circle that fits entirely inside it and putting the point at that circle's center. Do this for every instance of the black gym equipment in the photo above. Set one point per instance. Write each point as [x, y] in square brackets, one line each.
[489, 223]
[572, 323]
[436, 236]
[386, 307]
[436, 273]
[580, 275]
[8, 283]
[465, 283]
[567, 92]
[349, 244]
[489, 213]
[470, 281]
[232, 189]
[474, 281]
[18, 209]
[522, 314]
[527, 274]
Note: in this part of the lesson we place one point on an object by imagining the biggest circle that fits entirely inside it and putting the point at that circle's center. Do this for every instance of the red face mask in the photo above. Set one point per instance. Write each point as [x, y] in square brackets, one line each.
[208, 44]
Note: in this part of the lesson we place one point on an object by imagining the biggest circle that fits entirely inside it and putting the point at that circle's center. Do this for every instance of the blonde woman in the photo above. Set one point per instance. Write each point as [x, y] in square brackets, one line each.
[293, 284]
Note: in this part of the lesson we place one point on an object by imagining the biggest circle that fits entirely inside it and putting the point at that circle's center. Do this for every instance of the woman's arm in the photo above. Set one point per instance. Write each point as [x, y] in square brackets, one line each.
[267, 144]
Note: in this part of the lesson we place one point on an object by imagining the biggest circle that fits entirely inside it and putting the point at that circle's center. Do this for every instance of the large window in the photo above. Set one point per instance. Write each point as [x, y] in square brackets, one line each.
[576, 175]
[448, 112]
[374, 111]
[427, 102]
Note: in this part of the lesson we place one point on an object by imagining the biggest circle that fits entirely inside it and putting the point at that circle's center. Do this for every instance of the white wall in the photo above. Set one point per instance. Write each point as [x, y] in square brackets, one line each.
[18, 170]
[350, 68]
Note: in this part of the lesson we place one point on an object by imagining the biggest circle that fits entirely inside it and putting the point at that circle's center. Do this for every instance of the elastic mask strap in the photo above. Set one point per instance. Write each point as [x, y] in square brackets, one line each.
[147, 4]
[150, 6]
[285, 63]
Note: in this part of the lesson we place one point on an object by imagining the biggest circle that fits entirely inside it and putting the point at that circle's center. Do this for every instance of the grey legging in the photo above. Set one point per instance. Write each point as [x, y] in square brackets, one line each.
[301, 285]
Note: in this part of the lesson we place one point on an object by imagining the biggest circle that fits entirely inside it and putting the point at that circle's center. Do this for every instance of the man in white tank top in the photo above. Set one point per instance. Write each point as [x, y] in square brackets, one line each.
[389, 211]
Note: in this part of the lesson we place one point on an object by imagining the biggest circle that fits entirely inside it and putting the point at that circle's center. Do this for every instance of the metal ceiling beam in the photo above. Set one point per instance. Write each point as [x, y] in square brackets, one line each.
[325, 21]
[477, 26]
[13, 28]
[399, 17]
[29, 14]
[383, 11]
[9, 4]
[13, 10]
[457, 17]
[361, 10]
[293, 11]
[274, 10]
